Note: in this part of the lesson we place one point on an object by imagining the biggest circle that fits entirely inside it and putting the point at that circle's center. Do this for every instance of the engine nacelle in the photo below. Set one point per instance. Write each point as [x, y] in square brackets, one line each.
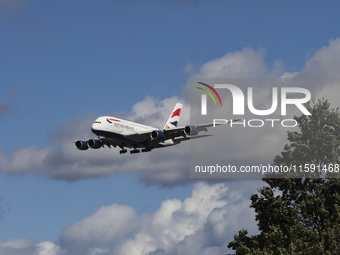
[94, 143]
[156, 134]
[81, 145]
[190, 130]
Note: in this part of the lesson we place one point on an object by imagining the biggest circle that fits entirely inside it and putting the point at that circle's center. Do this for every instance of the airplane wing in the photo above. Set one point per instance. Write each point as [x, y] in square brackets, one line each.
[164, 134]
[199, 127]
[155, 136]
[190, 138]
[191, 130]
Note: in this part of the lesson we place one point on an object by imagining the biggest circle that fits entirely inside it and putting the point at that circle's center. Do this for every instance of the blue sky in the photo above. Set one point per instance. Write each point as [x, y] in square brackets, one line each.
[62, 64]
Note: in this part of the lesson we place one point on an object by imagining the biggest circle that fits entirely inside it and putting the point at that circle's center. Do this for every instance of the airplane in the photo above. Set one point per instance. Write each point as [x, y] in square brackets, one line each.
[112, 131]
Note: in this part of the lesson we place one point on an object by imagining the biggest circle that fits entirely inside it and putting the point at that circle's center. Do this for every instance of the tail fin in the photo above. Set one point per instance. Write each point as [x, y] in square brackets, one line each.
[174, 117]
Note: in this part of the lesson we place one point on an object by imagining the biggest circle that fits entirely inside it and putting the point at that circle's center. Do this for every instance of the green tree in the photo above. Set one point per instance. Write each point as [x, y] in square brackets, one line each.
[301, 215]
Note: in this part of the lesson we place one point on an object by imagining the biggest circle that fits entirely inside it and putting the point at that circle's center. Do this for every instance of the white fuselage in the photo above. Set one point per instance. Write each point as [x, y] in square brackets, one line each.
[118, 126]
[119, 130]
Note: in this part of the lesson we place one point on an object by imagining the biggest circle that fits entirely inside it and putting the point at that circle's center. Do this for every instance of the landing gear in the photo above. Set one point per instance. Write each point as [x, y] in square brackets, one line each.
[134, 151]
[123, 151]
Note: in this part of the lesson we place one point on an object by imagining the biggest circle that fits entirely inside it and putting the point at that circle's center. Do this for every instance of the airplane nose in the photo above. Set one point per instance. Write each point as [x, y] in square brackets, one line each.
[96, 127]
[93, 127]
[94, 130]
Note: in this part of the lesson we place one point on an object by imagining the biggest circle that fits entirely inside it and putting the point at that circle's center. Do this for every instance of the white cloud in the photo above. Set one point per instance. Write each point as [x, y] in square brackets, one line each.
[325, 62]
[29, 247]
[48, 248]
[99, 230]
[24, 160]
[200, 224]
[323, 71]
[289, 75]
[240, 64]
[17, 243]
[17, 247]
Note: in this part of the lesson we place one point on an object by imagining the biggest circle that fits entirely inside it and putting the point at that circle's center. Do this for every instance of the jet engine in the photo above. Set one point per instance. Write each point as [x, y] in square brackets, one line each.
[81, 145]
[94, 143]
[156, 134]
[190, 130]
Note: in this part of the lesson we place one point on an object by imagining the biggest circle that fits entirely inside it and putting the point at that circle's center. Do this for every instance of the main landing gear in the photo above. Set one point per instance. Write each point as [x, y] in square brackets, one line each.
[123, 151]
[134, 151]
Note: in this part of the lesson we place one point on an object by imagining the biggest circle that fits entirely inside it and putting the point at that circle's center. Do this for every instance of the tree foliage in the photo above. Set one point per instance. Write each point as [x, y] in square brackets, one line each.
[300, 215]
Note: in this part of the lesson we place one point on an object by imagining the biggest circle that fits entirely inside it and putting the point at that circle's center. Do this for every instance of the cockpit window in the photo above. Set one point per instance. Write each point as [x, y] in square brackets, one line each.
[97, 122]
